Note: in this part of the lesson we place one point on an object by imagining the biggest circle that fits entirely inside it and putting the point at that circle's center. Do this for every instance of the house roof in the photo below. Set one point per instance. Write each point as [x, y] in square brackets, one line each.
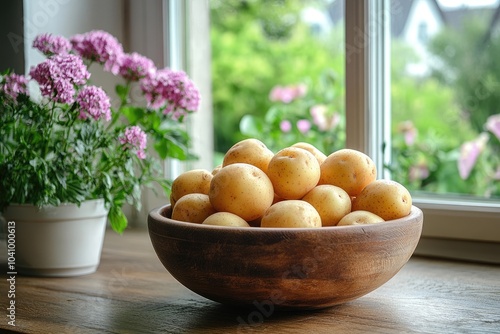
[400, 10]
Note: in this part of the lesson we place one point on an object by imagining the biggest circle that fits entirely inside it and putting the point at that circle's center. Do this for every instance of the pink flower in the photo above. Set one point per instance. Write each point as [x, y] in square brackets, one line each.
[58, 75]
[493, 125]
[322, 120]
[469, 152]
[285, 126]
[101, 47]
[303, 125]
[288, 93]
[409, 131]
[134, 66]
[50, 45]
[496, 176]
[93, 101]
[135, 139]
[14, 85]
[172, 91]
[419, 172]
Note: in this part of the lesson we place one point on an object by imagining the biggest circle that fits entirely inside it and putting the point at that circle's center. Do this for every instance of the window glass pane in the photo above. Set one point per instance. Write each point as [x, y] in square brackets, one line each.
[446, 97]
[278, 72]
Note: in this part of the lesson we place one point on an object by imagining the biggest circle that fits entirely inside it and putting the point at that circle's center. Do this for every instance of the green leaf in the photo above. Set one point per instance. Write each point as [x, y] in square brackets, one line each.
[117, 219]
[34, 162]
[162, 149]
[122, 92]
[133, 114]
[251, 126]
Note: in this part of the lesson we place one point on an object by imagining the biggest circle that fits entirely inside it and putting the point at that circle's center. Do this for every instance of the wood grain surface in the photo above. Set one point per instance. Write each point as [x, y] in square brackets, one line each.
[133, 293]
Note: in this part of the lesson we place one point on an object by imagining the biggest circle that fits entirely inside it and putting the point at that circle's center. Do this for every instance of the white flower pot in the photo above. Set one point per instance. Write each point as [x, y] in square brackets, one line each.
[58, 241]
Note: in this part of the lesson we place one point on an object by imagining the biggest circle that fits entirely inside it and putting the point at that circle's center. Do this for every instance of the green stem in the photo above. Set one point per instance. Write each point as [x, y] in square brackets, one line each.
[123, 102]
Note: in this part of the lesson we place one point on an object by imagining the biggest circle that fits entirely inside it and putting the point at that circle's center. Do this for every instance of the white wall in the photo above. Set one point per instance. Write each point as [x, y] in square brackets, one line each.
[70, 17]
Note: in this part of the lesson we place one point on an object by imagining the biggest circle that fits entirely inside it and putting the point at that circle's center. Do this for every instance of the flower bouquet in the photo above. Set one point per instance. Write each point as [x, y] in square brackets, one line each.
[65, 141]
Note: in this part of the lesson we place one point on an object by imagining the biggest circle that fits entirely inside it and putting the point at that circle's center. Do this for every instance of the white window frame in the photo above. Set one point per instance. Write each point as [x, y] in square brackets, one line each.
[455, 229]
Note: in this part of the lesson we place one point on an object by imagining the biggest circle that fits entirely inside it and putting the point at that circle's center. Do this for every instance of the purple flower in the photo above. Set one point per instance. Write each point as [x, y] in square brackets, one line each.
[285, 126]
[93, 101]
[469, 152]
[287, 94]
[14, 85]
[134, 66]
[101, 47]
[72, 68]
[493, 125]
[135, 139]
[303, 125]
[172, 91]
[50, 45]
[58, 75]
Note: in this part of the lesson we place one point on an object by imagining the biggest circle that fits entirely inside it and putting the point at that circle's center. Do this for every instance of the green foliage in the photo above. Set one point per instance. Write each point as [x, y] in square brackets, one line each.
[50, 155]
[249, 59]
[327, 129]
[445, 110]
[470, 66]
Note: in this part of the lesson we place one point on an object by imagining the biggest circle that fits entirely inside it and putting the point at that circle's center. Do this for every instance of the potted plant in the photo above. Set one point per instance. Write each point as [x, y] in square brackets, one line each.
[67, 147]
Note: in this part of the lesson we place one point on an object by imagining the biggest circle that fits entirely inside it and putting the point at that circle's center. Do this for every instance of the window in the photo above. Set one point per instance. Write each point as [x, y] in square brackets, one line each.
[457, 227]
[423, 34]
[450, 223]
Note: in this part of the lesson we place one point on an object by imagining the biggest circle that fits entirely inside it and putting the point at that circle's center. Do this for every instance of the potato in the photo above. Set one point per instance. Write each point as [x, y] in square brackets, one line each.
[291, 213]
[385, 198]
[251, 151]
[193, 208]
[190, 182]
[331, 202]
[359, 218]
[348, 169]
[293, 172]
[320, 156]
[225, 219]
[242, 189]
[216, 169]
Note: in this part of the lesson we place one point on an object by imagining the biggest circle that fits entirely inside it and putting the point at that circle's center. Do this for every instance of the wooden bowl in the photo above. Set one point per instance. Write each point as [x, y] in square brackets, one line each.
[286, 268]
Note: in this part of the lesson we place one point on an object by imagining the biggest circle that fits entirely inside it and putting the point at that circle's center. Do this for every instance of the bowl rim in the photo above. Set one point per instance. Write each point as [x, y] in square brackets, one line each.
[158, 218]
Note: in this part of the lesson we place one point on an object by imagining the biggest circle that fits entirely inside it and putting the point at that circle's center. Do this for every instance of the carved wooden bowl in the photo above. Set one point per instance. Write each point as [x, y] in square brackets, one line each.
[283, 268]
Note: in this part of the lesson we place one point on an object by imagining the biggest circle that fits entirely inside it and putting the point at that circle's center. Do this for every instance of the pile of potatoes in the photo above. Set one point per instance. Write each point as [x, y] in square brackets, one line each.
[299, 186]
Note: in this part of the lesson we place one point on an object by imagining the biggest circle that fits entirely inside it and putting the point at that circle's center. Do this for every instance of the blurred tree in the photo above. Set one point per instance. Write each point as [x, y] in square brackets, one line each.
[256, 45]
[468, 62]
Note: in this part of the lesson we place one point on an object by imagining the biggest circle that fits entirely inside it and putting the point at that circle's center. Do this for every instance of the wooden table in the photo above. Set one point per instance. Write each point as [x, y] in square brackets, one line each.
[132, 293]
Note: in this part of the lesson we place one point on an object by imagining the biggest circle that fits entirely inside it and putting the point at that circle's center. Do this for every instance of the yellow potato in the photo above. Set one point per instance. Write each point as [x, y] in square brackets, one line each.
[320, 156]
[216, 169]
[242, 189]
[193, 208]
[251, 151]
[190, 182]
[225, 219]
[359, 218]
[348, 169]
[331, 202]
[291, 213]
[385, 198]
[293, 172]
